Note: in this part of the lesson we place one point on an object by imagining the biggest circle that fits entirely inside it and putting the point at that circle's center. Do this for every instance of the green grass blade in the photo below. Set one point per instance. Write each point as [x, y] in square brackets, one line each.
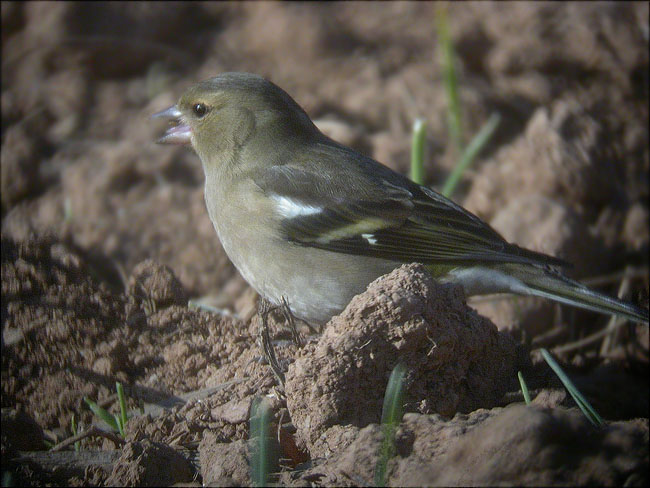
[393, 399]
[391, 416]
[524, 387]
[417, 151]
[582, 402]
[259, 442]
[470, 153]
[122, 402]
[451, 80]
[103, 414]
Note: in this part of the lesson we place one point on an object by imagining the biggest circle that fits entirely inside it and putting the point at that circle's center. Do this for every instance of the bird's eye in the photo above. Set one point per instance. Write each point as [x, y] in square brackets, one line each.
[200, 109]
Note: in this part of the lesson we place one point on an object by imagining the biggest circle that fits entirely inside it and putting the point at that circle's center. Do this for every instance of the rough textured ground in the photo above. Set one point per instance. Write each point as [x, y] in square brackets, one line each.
[105, 237]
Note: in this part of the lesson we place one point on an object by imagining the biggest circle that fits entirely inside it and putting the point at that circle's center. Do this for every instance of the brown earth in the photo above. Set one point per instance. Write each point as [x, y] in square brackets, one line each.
[105, 237]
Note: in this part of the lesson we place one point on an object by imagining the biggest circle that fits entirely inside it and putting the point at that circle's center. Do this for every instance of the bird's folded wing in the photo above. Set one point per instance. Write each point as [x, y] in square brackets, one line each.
[394, 220]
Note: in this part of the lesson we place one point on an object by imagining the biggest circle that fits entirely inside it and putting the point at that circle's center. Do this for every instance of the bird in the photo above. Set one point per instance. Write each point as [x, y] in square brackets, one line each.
[312, 222]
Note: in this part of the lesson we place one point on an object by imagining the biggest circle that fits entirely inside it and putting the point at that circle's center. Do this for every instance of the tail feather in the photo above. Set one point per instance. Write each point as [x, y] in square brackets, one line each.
[550, 284]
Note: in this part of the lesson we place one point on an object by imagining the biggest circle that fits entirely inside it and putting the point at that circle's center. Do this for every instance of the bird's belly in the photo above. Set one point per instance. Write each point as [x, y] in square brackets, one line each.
[317, 284]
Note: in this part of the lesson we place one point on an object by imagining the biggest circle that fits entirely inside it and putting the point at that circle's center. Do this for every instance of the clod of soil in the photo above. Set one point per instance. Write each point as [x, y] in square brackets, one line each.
[149, 464]
[457, 360]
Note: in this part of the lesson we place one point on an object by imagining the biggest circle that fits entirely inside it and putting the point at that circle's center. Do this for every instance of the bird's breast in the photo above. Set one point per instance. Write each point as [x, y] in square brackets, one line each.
[316, 283]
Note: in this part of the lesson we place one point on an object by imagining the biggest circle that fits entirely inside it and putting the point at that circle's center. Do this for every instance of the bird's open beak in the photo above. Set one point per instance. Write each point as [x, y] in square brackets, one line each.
[180, 133]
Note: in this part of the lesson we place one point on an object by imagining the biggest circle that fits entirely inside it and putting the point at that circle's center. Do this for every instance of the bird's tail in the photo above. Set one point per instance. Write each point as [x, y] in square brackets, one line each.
[546, 283]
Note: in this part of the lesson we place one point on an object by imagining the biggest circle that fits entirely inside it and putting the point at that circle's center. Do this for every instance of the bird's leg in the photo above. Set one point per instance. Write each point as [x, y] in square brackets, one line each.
[265, 338]
[290, 318]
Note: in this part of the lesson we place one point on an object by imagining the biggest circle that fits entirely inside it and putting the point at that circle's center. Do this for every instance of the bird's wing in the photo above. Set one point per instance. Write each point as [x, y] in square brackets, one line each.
[384, 215]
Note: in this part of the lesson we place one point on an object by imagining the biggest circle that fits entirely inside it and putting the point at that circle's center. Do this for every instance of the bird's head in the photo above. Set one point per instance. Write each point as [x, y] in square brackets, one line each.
[221, 115]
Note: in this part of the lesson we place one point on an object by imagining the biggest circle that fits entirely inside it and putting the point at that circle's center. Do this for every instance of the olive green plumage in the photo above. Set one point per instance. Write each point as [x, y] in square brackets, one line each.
[305, 218]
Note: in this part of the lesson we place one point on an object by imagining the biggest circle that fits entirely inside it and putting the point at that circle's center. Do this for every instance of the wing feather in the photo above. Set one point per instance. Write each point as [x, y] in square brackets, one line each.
[395, 220]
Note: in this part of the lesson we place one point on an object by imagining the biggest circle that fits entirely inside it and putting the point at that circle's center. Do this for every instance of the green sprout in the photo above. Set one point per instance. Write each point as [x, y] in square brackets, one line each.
[259, 442]
[114, 421]
[391, 416]
[524, 387]
[582, 402]
[467, 153]
[417, 151]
